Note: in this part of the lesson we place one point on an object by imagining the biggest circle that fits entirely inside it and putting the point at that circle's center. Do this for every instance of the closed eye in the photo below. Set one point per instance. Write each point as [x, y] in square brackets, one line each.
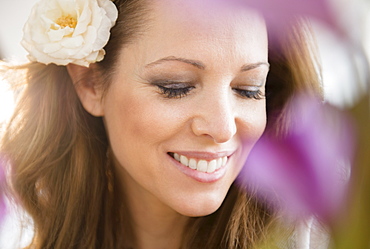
[174, 90]
[257, 94]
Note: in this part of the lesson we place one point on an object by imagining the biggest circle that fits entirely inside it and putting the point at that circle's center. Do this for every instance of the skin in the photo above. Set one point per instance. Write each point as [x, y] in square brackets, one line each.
[221, 53]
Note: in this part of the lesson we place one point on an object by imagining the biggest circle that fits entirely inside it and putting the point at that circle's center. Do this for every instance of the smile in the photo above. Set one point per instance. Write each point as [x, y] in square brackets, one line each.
[200, 165]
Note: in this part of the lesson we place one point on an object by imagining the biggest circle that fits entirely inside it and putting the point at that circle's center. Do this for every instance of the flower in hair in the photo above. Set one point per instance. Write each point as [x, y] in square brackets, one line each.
[69, 31]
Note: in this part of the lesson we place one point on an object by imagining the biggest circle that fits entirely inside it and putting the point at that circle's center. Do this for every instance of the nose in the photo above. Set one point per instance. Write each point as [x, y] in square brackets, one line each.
[215, 118]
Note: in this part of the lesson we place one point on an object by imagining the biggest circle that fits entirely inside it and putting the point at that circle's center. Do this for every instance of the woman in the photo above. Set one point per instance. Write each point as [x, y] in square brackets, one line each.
[141, 149]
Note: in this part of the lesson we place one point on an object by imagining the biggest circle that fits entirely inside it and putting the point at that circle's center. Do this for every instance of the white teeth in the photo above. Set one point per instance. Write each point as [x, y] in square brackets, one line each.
[224, 161]
[219, 163]
[184, 160]
[201, 165]
[192, 163]
[212, 166]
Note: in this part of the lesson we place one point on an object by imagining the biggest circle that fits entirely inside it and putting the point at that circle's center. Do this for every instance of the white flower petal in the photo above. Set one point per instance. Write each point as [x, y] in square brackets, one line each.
[68, 31]
[91, 35]
[103, 34]
[92, 56]
[84, 52]
[56, 35]
[101, 55]
[50, 16]
[83, 21]
[67, 6]
[110, 9]
[72, 42]
[40, 37]
[47, 59]
[83, 63]
[48, 5]
[65, 53]
[97, 15]
[45, 22]
[52, 47]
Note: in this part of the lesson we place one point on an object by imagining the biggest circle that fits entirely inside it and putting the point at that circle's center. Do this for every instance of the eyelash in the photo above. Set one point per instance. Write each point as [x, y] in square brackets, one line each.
[173, 93]
[257, 95]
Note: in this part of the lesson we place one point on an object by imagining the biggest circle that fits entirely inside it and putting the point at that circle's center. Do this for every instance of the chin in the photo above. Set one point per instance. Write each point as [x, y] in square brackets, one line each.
[199, 208]
[199, 212]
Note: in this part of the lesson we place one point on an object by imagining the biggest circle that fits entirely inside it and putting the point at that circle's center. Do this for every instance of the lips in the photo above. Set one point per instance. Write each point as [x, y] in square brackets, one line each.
[202, 166]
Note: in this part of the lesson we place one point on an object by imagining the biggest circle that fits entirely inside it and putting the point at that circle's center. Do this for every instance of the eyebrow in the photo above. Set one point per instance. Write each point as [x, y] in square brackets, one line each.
[200, 65]
[251, 66]
[194, 63]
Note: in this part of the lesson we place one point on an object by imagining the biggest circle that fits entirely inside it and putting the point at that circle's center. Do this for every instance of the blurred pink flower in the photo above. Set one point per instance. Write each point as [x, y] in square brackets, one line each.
[278, 14]
[306, 172]
[282, 11]
[277, 10]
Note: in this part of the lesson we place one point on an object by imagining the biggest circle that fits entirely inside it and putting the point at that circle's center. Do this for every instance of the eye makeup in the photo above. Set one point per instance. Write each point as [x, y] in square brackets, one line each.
[174, 82]
[173, 89]
[257, 94]
[171, 82]
[250, 85]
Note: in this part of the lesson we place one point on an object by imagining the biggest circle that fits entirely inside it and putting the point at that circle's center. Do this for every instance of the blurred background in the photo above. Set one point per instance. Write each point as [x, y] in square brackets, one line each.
[344, 65]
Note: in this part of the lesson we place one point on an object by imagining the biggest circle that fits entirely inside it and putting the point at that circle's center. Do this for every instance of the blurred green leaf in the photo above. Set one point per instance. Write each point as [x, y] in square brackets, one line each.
[353, 230]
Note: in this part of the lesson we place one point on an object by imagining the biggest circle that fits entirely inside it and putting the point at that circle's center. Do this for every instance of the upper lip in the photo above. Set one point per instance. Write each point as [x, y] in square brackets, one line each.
[205, 154]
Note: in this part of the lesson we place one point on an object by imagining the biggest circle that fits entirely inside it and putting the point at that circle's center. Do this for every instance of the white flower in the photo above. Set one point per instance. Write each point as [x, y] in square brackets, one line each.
[69, 31]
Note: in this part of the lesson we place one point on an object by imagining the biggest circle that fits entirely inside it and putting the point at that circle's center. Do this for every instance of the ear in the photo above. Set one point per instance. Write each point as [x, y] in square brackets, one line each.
[87, 88]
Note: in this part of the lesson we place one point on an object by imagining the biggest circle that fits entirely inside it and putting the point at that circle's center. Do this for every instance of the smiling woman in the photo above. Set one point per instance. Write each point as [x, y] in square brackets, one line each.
[141, 149]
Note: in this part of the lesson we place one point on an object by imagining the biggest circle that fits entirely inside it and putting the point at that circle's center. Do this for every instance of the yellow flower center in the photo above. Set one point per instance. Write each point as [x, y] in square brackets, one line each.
[67, 21]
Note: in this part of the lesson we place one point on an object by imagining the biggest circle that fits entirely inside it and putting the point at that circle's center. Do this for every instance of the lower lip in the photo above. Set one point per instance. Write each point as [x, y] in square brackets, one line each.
[201, 176]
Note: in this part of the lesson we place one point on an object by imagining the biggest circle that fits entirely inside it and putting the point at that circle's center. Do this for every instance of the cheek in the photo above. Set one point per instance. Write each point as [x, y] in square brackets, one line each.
[252, 124]
[253, 121]
[136, 127]
[135, 120]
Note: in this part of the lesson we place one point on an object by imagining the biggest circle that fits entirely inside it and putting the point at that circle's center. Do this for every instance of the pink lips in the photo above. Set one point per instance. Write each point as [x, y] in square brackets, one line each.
[199, 176]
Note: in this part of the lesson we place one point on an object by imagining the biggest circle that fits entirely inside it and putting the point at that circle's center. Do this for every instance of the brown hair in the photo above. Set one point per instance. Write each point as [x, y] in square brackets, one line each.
[60, 172]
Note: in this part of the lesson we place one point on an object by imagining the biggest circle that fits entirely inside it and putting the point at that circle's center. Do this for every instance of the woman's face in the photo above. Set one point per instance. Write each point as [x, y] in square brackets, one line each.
[186, 105]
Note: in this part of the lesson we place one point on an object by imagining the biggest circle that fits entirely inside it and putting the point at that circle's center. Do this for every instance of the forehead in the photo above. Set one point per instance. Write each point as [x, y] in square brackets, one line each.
[188, 24]
[220, 35]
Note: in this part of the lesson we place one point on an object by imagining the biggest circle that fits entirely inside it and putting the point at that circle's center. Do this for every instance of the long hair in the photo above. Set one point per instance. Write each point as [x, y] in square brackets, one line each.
[58, 154]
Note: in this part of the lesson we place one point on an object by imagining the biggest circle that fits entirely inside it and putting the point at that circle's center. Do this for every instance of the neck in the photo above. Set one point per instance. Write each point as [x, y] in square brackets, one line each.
[157, 229]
